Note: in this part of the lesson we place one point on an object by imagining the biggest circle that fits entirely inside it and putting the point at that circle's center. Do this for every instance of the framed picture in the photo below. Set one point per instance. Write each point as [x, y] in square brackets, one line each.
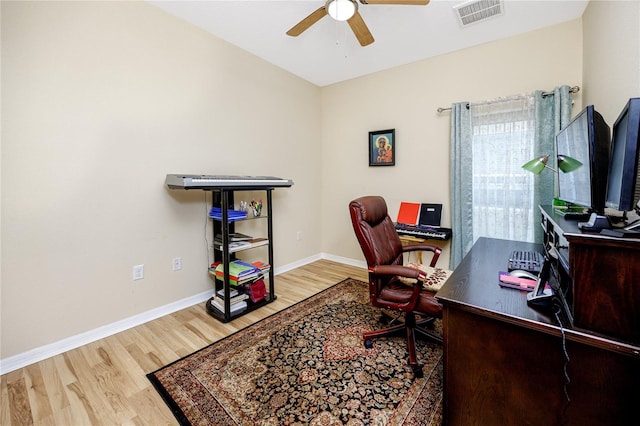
[382, 148]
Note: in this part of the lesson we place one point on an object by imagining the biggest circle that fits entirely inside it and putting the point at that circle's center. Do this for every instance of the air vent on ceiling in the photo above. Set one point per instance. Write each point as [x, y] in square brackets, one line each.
[478, 10]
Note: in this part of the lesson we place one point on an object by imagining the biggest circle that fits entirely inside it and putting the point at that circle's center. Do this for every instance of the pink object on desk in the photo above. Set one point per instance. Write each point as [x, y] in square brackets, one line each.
[507, 280]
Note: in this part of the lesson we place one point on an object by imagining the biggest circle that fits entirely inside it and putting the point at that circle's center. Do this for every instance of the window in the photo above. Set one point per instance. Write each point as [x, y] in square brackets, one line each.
[491, 195]
[503, 136]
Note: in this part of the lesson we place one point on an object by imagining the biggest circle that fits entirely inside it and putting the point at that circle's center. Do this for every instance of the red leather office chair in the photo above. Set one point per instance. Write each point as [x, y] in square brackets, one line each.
[383, 252]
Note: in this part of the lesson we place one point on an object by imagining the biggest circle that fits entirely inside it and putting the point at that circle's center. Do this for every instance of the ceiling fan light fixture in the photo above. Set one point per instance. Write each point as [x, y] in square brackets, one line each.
[341, 10]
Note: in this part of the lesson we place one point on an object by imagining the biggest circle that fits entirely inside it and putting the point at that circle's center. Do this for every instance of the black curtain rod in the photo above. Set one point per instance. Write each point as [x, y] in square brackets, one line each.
[574, 89]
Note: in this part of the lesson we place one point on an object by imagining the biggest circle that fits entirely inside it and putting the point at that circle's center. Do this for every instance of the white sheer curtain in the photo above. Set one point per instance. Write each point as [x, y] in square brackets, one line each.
[503, 139]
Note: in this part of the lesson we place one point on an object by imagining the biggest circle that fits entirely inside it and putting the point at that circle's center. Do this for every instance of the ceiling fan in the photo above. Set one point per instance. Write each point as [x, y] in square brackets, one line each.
[347, 10]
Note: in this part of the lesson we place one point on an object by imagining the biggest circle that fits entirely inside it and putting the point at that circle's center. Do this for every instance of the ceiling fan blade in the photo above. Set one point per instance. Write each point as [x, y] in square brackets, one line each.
[301, 26]
[360, 29]
[414, 2]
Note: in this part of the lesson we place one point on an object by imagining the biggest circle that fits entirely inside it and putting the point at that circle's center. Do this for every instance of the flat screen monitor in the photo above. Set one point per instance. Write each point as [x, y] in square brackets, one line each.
[585, 139]
[623, 188]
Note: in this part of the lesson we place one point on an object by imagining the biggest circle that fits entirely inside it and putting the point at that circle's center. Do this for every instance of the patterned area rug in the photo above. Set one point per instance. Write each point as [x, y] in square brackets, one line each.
[307, 365]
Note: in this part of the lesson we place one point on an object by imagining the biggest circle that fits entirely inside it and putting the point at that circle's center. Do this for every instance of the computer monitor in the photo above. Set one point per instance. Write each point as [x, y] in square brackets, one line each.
[623, 188]
[585, 139]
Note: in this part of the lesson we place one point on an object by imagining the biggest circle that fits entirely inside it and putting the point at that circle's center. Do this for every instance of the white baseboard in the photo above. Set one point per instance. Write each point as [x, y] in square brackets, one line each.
[297, 264]
[345, 260]
[43, 352]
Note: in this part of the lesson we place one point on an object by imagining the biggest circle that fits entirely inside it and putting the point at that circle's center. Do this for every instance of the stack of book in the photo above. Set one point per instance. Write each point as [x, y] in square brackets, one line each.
[239, 272]
[235, 236]
[239, 241]
[237, 301]
[262, 266]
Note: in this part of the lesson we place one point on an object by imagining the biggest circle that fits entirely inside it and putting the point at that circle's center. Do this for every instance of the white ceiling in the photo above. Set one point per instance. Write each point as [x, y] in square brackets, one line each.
[328, 52]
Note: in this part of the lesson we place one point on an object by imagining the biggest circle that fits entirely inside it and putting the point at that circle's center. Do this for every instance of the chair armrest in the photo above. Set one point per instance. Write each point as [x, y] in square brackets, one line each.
[424, 247]
[402, 271]
[399, 270]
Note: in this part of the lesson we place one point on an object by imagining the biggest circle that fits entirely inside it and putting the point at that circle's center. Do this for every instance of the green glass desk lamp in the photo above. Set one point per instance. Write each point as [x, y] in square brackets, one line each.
[566, 164]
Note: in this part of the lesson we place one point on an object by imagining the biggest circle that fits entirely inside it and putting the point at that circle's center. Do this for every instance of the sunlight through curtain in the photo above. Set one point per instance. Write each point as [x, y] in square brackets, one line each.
[503, 192]
[491, 195]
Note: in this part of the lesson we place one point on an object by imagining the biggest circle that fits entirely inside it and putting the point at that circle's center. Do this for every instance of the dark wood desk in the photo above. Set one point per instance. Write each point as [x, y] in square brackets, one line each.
[505, 362]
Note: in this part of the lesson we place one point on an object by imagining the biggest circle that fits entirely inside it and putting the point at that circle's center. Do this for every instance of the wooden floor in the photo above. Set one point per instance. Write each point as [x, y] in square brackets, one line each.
[104, 382]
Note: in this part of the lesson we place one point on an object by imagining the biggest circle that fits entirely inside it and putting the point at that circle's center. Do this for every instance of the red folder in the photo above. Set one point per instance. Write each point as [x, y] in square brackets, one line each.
[408, 213]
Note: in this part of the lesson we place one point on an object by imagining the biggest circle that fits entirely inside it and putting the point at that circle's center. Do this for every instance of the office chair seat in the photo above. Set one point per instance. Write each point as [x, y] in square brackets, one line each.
[397, 293]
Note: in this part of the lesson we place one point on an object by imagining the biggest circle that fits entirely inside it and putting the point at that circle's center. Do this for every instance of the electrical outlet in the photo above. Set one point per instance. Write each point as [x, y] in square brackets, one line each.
[299, 235]
[177, 263]
[138, 272]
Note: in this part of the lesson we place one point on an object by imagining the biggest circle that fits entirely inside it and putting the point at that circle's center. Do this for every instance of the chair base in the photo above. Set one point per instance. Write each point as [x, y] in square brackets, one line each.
[423, 326]
[408, 328]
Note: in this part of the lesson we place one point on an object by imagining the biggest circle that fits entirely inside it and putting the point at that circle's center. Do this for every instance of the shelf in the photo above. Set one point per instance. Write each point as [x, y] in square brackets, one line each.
[251, 306]
[237, 246]
[222, 204]
[240, 219]
[264, 274]
[222, 189]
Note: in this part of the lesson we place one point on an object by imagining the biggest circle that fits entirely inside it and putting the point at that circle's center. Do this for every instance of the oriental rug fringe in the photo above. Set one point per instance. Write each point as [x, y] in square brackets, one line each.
[307, 365]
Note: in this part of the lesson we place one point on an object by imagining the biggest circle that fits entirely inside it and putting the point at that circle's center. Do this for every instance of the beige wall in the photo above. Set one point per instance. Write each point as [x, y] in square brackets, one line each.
[406, 98]
[100, 101]
[611, 55]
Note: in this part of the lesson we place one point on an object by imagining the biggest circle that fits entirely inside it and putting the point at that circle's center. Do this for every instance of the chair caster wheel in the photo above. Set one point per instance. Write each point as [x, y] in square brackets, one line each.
[368, 343]
[417, 371]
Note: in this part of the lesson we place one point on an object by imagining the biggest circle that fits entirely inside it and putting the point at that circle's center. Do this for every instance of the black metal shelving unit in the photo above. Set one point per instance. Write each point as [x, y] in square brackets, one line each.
[224, 198]
[223, 188]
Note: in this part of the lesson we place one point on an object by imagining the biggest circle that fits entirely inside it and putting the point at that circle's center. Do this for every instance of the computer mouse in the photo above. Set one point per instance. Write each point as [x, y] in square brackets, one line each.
[518, 273]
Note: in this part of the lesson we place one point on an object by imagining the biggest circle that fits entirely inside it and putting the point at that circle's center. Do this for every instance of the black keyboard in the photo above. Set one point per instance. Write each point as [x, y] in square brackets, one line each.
[426, 232]
[530, 261]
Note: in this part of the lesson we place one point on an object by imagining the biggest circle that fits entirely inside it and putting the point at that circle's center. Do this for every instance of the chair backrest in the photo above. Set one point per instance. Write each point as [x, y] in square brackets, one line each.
[375, 231]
